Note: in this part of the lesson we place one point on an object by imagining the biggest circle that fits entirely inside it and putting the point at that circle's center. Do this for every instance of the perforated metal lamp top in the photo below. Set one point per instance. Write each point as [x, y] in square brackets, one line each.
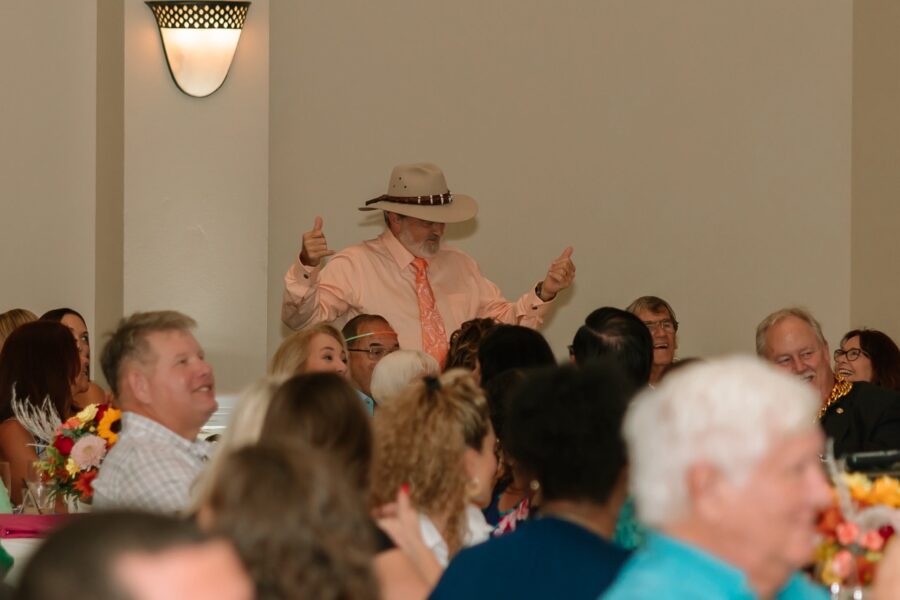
[200, 14]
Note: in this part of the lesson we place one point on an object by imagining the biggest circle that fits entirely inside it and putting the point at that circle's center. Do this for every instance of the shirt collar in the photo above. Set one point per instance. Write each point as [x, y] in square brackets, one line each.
[141, 426]
[718, 572]
[401, 255]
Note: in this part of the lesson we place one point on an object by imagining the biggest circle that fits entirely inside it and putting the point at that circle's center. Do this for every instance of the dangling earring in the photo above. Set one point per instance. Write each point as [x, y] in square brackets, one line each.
[535, 485]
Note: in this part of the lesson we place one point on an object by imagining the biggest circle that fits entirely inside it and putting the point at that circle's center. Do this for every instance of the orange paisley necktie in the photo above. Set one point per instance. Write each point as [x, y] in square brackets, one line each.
[434, 337]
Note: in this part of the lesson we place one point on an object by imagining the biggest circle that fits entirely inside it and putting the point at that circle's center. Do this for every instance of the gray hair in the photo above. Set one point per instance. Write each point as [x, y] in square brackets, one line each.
[398, 369]
[762, 330]
[654, 304]
[727, 413]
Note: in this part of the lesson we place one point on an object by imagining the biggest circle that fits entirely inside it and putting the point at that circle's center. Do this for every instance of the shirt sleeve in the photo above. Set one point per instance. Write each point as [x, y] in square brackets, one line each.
[528, 310]
[151, 480]
[319, 294]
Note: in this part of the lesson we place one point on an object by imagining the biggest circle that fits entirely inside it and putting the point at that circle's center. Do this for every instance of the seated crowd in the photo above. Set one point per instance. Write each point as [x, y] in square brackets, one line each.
[359, 469]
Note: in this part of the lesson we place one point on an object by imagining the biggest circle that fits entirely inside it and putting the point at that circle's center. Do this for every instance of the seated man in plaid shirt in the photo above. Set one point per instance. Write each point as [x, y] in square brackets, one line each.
[165, 387]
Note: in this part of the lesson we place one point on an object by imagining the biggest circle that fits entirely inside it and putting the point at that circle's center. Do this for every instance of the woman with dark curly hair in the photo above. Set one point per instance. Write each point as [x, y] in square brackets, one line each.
[464, 342]
[869, 355]
[563, 426]
[298, 526]
[436, 439]
[39, 366]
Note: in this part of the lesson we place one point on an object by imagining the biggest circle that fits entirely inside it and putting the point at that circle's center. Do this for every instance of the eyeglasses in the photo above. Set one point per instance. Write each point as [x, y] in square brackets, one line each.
[851, 354]
[667, 325]
[375, 351]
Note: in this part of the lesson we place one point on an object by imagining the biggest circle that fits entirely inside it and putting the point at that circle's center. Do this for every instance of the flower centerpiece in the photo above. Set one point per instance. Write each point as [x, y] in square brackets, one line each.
[856, 529]
[71, 462]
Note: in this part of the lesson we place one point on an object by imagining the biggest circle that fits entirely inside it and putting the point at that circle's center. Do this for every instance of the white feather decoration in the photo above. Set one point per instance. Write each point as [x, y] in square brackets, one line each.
[41, 420]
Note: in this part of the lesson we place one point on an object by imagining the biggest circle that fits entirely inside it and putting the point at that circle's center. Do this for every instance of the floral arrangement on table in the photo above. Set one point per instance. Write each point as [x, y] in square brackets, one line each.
[70, 463]
[856, 529]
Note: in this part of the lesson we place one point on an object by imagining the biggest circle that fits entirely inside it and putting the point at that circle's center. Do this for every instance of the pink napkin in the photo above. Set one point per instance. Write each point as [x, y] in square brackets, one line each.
[29, 526]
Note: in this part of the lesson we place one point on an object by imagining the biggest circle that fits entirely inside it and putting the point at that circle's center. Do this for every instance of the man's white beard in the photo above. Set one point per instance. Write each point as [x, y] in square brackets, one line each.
[426, 249]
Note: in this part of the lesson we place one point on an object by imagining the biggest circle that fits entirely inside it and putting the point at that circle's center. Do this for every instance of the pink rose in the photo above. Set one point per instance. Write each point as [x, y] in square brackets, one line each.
[873, 541]
[89, 451]
[842, 564]
[847, 533]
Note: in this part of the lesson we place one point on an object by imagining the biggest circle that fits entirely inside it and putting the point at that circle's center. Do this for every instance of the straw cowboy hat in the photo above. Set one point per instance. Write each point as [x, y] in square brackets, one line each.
[420, 190]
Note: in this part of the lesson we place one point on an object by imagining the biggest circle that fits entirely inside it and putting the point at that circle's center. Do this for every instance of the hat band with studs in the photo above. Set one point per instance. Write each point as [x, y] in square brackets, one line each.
[432, 200]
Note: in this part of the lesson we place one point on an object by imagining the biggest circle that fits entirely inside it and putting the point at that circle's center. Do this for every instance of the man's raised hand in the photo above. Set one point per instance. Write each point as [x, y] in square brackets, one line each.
[559, 275]
[314, 248]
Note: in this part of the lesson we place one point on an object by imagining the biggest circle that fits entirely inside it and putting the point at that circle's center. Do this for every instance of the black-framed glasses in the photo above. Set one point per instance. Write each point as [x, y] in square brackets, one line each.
[851, 354]
[375, 351]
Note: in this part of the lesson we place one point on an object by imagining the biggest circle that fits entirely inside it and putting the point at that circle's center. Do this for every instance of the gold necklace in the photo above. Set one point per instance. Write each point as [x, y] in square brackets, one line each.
[840, 389]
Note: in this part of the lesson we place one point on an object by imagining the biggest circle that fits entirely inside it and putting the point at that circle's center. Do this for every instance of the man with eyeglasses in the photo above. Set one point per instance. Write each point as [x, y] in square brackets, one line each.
[369, 339]
[658, 316]
[858, 416]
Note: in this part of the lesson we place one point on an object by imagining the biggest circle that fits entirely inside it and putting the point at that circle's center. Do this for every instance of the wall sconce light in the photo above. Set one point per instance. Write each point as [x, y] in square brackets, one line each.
[199, 38]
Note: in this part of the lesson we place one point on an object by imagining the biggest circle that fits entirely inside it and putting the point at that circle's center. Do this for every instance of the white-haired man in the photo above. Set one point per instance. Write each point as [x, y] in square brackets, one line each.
[858, 416]
[724, 466]
[423, 289]
[158, 372]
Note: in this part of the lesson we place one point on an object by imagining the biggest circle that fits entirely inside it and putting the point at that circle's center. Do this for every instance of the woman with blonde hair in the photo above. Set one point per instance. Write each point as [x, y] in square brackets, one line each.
[244, 427]
[319, 348]
[436, 440]
[12, 319]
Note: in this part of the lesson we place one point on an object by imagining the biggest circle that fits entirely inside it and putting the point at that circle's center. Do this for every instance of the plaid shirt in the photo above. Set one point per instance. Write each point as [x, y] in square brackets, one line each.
[149, 468]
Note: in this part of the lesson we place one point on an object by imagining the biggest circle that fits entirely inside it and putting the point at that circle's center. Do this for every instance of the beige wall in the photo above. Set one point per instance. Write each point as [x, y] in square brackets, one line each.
[695, 150]
[47, 155]
[876, 176]
[195, 195]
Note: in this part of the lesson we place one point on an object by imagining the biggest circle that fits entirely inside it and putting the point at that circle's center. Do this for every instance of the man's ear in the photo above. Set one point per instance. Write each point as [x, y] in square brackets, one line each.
[137, 384]
[707, 490]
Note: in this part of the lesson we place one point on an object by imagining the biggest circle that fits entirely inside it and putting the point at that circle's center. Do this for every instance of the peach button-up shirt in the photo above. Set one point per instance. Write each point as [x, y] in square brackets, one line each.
[377, 277]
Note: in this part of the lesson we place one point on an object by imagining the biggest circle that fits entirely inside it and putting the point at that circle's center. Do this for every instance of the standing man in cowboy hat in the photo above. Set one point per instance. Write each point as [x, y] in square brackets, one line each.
[425, 290]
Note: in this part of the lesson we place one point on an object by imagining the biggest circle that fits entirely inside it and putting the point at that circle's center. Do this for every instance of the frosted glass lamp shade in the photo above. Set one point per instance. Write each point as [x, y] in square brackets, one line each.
[199, 39]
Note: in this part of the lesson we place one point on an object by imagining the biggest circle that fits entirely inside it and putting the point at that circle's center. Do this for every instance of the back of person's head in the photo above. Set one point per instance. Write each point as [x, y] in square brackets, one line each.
[300, 527]
[397, 370]
[322, 410]
[78, 560]
[883, 353]
[12, 319]
[292, 354]
[618, 335]
[129, 341]
[39, 360]
[421, 437]
[563, 426]
[244, 429]
[512, 347]
[726, 413]
[464, 343]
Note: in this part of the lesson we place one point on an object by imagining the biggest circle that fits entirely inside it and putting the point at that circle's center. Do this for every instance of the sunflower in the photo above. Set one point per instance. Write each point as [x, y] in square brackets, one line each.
[110, 425]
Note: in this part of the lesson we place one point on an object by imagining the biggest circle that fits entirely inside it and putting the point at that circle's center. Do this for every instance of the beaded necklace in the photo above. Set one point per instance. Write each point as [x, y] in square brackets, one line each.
[840, 389]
